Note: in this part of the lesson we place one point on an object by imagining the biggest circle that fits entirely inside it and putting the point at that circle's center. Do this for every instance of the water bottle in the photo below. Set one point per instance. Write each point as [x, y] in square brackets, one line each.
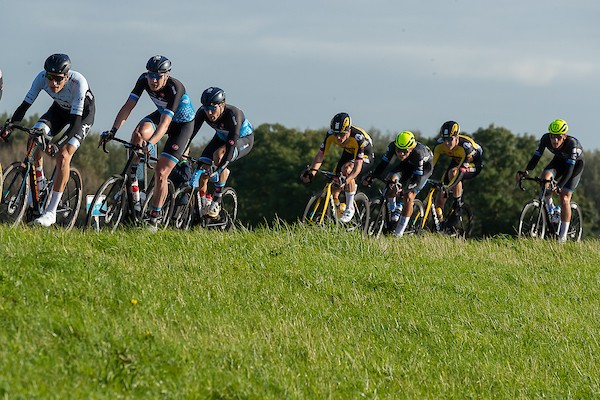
[135, 191]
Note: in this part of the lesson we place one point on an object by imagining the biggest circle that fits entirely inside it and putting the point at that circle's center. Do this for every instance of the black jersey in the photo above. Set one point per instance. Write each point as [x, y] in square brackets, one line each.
[420, 159]
[231, 125]
[172, 99]
[570, 152]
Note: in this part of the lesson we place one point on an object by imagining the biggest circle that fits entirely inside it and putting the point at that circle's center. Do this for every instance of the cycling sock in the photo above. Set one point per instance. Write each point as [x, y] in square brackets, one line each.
[563, 229]
[54, 200]
[350, 199]
[402, 224]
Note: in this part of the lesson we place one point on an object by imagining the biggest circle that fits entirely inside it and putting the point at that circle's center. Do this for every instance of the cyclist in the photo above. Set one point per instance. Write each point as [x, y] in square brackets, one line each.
[174, 117]
[358, 150]
[467, 162]
[74, 106]
[233, 139]
[566, 166]
[414, 168]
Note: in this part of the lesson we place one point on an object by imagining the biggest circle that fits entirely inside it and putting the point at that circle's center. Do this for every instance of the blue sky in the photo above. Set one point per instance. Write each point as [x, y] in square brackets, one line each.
[393, 65]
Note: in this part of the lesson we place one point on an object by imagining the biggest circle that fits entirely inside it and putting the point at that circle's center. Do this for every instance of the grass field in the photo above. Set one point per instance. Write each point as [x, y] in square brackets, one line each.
[295, 313]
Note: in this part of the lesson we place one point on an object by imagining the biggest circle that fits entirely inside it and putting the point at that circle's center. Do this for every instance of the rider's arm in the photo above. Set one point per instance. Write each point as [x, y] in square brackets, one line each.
[123, 114]
[574, 153]
[161, 129]
[537, 154]
[19, 113]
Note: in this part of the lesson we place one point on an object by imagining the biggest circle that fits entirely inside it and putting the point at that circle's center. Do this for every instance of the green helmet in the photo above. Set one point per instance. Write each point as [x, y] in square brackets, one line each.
[558, 127]
[405, 140]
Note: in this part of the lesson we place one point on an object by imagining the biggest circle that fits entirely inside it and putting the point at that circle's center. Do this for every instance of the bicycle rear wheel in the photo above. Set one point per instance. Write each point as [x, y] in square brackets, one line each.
[70, 202]
[15, 192]
[576, 225]
[360, 220]
[319, 210]
[460, 223]
[108, 206]
[532, 222]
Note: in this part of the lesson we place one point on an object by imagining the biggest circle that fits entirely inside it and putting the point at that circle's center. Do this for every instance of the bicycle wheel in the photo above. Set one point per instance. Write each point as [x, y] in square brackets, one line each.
[576, 225]
[460, 224]
[532, 222]
[377, 218]
[319, 210]
[108, 206]
[166, 210]
[362, 212]
[70, 202]
[415, 222]
[184, 208]
[228, 214]
[15, 192]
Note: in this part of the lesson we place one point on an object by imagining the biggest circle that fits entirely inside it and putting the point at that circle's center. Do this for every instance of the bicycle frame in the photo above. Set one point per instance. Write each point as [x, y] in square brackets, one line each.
[429, 206]
[543, 218]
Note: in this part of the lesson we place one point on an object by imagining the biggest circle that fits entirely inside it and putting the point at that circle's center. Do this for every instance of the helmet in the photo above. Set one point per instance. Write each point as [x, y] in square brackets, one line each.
[340, 122]
[58, 64]
[405, 140]
[212, 95]
[558, 127]
[159, 64]
[449, 129]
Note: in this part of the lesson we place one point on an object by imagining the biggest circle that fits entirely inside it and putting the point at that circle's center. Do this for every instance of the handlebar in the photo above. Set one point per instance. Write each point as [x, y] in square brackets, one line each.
[40, 134]
[126, 144]
[541, 181]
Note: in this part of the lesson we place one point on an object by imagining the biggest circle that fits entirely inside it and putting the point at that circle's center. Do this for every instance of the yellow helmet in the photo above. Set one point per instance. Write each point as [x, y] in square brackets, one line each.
[558, 127]
[405, 140]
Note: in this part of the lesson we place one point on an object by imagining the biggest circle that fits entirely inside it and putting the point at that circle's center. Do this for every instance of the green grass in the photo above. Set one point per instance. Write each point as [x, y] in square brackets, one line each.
[293, 313]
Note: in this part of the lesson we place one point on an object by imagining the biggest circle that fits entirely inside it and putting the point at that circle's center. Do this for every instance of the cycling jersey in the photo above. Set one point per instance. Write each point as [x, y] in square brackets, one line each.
[569, 155]
[359, 144]
[415, 169]
[171, 100]
[467, 154]
[232, 129]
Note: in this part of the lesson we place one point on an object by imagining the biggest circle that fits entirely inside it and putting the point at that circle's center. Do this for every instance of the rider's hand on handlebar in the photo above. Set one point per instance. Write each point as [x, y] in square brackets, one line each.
[5, 131]
[106, 136]
[306, 176]
[367, 180]
[520, 175]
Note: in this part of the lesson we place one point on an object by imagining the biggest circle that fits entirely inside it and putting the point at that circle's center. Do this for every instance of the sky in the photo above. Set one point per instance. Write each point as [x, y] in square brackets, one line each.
[393, 65]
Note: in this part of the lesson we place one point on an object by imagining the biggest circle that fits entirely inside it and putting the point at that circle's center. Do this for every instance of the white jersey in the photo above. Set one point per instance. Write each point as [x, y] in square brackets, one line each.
[70, 98]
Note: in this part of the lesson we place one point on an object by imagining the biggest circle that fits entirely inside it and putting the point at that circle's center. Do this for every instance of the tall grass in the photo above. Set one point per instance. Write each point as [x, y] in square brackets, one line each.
[292, 312]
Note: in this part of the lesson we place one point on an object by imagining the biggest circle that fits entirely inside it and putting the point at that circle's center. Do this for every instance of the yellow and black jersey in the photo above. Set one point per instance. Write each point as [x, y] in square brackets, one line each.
[467, 151]
[359, 144]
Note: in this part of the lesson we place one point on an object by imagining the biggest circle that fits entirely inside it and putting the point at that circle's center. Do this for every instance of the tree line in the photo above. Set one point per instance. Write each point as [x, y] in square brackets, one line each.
[269, 189]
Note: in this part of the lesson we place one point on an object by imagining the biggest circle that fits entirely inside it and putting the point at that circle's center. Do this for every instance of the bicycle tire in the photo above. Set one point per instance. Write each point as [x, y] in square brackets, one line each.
[576, 225]
[15, 193]
[360, 219]
[378, 216]
[228, 214]
[319, 210]
[184, 212]
[416, 218]
[70, 202]
[107, 208]
[460, 224]
[532, 221]
[166, 209]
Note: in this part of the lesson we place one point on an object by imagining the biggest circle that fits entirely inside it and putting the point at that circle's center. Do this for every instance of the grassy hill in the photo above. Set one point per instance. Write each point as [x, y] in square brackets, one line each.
[292, 312]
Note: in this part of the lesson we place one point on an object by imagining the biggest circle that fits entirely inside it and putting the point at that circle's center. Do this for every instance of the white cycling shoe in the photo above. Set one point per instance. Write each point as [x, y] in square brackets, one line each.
[214, 209]
[347, 215]
[46, 219]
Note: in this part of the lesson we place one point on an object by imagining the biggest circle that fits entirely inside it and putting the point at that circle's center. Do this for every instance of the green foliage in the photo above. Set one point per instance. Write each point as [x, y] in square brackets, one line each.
[291, 312]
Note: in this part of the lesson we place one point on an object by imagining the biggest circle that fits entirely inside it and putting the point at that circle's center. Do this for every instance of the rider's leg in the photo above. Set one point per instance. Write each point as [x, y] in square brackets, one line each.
[409, 197]
[548, 174]
[163, 168]
[350, 186]
[142, 132]
[565, 215]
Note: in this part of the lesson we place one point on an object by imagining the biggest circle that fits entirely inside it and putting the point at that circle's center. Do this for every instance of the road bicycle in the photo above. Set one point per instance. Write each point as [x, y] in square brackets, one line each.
[537, 221]
[189, 209]
[381, 221]
[114, 203]
[321, 208]
[24, 198]
[458, 221]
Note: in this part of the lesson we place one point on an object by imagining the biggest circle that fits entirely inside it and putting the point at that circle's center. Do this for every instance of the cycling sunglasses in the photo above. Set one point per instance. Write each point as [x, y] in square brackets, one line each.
[154, 75]
[55, 78]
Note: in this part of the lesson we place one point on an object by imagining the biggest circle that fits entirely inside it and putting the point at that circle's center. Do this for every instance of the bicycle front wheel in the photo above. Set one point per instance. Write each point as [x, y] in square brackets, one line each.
[166, 209]
[70, 202]
[362, 212]
[415, 223]
[576, 225]
[532, 222]
[377, 218]
[319, 210]
[460, 222]
[228, 214]
[15, 193]
[107, 208]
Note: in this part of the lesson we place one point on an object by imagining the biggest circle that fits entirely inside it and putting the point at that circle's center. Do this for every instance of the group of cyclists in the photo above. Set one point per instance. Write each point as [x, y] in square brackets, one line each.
[74, 107]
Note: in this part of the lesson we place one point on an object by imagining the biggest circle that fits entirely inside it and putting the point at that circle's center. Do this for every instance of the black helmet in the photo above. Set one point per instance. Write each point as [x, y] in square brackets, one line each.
[449, 129]
[340, 122]
[212, 95]
[158, 64]
[58, 64]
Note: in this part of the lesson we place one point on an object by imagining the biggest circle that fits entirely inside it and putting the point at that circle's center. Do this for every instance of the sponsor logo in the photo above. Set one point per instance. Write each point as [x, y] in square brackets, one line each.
[175, 147]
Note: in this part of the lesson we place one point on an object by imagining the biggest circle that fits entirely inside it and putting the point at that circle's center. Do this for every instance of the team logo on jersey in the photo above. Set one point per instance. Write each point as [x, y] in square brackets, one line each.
[231, 142]
[175, 146]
